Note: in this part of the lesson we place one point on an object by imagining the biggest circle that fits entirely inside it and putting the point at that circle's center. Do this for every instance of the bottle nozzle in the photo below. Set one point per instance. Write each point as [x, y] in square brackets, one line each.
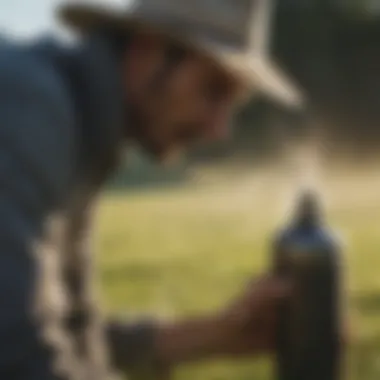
[308, 209]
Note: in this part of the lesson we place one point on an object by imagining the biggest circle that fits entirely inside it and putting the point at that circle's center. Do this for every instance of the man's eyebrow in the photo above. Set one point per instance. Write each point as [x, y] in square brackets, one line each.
[176, 53]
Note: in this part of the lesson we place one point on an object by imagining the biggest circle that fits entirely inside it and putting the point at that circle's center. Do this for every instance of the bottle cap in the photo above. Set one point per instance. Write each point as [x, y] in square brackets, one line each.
[308, 211]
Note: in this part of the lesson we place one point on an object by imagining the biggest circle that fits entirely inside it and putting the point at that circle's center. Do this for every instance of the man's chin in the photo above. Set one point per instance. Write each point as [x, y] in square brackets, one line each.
[172, 156]
[166, 156]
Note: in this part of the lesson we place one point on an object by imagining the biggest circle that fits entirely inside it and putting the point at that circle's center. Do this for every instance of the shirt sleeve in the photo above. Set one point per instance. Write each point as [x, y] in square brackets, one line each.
[132, 349]
[33, 166]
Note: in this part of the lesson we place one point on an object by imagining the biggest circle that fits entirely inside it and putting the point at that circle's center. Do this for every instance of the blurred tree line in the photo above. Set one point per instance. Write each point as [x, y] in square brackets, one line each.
[331, 48]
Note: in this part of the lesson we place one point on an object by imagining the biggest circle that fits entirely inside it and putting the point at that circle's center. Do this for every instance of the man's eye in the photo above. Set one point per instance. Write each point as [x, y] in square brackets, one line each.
[215, 91]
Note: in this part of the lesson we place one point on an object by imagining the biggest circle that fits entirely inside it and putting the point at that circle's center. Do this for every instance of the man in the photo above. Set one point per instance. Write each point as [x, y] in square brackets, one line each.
[161, 73]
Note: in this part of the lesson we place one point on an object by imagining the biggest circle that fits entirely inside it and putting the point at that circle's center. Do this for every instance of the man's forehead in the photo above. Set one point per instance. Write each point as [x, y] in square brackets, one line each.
[202, 65]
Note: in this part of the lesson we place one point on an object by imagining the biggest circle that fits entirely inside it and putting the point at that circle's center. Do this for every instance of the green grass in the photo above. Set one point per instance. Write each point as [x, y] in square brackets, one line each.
[182, 252]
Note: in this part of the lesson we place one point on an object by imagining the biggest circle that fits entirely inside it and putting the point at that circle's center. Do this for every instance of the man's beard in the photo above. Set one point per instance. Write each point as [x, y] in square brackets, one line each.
[146, 134]
[146, 124]
[167, 150]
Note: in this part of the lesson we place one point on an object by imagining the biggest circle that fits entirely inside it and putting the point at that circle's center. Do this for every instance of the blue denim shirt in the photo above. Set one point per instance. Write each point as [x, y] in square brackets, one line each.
[62, 122]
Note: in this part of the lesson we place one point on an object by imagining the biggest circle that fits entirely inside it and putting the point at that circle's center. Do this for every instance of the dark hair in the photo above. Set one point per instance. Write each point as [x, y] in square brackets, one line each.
[120, 40]
[174, 55]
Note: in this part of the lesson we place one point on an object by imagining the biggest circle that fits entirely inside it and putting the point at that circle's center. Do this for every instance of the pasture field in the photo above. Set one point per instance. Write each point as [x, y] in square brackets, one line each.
[189, 250]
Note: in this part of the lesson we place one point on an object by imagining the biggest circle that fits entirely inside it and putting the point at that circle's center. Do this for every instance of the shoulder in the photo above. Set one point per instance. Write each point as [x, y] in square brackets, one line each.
[36, 115]
[28, 77]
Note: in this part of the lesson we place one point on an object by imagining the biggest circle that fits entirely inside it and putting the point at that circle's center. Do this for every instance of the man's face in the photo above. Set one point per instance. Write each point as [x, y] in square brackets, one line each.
[177, 102]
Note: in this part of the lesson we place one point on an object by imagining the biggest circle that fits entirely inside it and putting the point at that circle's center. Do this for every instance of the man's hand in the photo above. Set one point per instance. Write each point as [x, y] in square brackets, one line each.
[251, 321]
[246, 327]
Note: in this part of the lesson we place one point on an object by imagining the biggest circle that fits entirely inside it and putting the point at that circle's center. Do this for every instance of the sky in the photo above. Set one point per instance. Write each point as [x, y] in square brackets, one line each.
[28, 18]
[25, 18]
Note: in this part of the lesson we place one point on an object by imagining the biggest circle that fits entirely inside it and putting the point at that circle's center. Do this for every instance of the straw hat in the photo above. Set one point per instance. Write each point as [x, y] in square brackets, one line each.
[234, 33]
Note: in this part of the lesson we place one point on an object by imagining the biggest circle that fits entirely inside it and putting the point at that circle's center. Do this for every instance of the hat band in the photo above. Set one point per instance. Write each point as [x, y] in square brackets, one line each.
[192, 29]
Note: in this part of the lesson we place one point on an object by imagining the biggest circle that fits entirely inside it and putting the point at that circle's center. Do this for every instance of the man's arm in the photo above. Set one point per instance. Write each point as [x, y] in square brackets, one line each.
[151, 350]
[246, 327]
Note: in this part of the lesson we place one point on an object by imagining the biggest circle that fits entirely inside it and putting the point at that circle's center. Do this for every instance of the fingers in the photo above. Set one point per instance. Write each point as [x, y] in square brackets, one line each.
[278, 287]
[261, 299]
[253, 317]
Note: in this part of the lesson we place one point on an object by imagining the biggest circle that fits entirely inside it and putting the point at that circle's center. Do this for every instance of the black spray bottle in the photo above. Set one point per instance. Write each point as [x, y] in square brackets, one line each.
[308, 345]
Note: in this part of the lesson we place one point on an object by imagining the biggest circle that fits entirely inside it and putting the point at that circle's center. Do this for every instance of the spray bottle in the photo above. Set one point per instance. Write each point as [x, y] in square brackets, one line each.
[307, 253]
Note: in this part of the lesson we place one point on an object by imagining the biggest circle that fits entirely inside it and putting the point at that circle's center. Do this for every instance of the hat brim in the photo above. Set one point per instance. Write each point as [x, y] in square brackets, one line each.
[257, 73]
